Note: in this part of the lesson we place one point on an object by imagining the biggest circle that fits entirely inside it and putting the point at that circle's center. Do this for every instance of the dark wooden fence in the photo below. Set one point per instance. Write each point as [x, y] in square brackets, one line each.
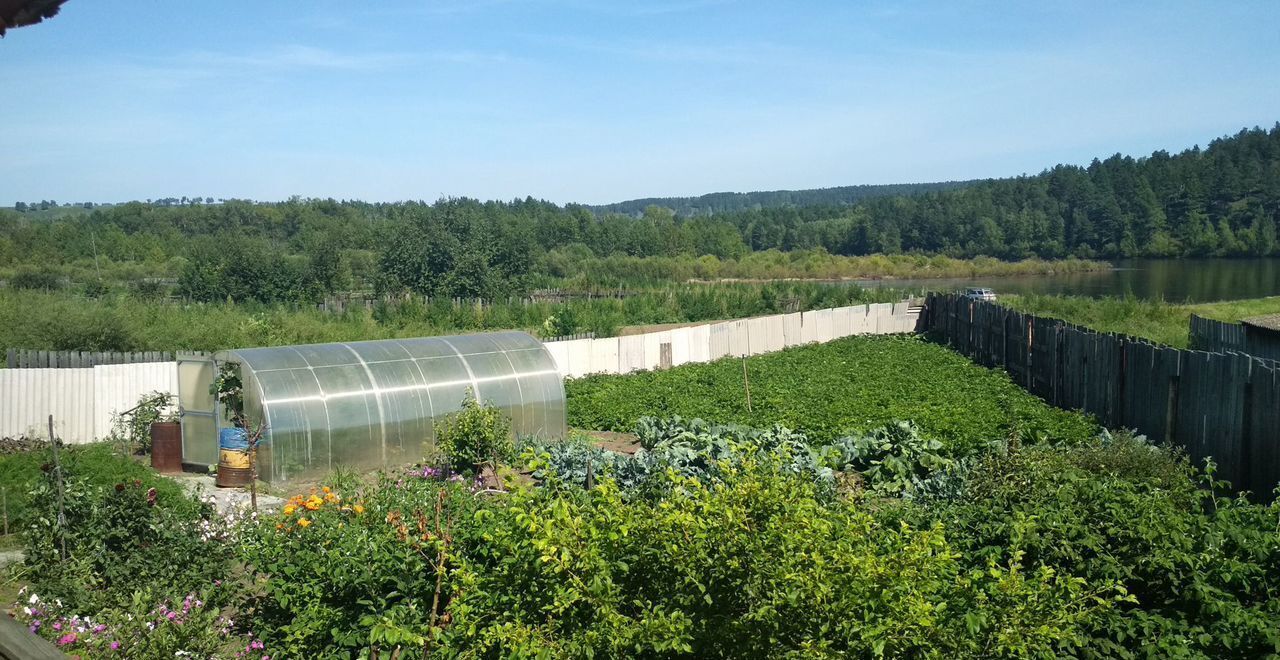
[1219, 337]
[18, 358]
[1216, 336]
[1224, 405]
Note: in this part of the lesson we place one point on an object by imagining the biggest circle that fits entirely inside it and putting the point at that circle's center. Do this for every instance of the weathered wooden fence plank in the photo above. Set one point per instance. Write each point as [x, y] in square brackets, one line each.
[1262, 450]
[17, 358]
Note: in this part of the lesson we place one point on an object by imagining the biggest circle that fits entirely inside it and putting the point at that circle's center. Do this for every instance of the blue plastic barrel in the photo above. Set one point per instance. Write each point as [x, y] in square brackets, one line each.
[235, 439]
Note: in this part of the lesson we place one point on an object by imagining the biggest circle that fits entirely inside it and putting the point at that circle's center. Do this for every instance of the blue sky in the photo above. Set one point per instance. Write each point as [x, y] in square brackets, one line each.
[571, 100]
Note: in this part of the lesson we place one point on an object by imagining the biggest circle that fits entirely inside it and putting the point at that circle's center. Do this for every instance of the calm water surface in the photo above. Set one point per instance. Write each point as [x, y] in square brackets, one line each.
[1174, 280]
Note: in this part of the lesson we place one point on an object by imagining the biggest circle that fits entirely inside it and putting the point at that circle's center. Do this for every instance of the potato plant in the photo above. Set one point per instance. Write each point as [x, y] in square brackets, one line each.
[827, 390]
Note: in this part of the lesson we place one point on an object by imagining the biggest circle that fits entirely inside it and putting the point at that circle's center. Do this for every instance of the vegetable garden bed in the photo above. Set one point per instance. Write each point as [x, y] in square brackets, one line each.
[826, 390]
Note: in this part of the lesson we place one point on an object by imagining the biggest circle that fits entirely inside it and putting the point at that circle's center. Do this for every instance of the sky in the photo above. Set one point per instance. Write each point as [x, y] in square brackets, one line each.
[595, 102]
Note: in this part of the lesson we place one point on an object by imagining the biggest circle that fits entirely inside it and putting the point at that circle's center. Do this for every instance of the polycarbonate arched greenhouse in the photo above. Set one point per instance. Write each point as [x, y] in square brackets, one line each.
[368, 403]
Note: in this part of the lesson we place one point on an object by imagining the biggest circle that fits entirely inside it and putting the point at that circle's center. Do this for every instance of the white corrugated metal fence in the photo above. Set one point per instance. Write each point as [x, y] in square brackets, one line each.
[83, 401]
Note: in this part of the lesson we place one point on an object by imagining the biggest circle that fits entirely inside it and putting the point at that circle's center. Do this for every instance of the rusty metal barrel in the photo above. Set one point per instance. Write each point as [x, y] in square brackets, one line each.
[166, 447]
[233, 459]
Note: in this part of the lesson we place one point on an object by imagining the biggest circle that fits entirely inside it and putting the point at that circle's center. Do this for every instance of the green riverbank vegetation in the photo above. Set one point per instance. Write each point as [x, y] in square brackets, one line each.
[1162, 322]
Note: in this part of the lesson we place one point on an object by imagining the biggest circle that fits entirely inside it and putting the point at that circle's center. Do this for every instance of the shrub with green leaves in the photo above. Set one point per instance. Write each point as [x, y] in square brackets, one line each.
[116, 540]
[132, 429]
[334, 565]
[479, 433]
[1203, 571]
[758, 564]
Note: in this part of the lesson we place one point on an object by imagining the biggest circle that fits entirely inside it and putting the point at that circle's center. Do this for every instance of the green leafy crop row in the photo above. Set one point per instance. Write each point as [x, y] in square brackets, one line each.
[824, 391]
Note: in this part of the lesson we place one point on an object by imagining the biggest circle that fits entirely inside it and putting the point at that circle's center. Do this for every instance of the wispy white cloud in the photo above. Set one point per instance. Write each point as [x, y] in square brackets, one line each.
[297, 57]
[673, 51]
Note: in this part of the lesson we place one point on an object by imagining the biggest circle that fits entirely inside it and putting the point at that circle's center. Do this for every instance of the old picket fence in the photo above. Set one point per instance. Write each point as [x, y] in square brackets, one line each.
[17, 358]
[83, 400]
[1224, 405]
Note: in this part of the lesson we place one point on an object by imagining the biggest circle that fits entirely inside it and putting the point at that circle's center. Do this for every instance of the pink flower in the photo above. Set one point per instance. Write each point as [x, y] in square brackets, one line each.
[57, 625]
[69, 638]
[115, 646]
[99, 628]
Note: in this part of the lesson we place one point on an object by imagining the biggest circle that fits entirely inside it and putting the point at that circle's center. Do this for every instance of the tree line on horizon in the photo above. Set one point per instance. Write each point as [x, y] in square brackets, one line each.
[1223, 200]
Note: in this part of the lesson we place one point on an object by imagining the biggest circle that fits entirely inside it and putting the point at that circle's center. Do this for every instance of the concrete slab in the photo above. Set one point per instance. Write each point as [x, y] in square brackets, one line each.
[225, 499]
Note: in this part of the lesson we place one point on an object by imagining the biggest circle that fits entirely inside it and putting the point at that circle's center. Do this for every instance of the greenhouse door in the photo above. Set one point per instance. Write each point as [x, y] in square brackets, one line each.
[196, 409]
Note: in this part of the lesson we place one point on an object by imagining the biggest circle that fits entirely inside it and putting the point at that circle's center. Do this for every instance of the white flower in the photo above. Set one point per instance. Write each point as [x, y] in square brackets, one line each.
[33, 600]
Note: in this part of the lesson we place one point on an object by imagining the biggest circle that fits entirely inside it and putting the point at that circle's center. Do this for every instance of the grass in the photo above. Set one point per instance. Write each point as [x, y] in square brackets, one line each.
[825, 390]
[1161, 322]
[815, 264]
[121, 322]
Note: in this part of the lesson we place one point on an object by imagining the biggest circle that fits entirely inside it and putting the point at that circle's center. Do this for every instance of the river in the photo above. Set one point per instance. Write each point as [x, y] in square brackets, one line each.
[1173, 280]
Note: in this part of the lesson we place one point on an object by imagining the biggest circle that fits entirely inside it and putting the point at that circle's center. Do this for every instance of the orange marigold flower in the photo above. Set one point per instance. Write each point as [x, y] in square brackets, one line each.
[279, 525]
[326, 489]
[313, 503]
[358, 509]
[289, 509]
[304, 522]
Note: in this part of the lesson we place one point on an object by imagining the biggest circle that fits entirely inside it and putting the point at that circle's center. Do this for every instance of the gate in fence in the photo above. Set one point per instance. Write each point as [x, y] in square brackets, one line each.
[1222, 404]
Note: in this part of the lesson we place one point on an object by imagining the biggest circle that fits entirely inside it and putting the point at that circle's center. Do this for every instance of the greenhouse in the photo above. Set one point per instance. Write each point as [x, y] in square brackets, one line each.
[364, 404]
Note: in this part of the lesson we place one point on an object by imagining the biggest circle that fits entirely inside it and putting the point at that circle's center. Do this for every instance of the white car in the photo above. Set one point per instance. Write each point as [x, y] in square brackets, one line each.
[980, 294]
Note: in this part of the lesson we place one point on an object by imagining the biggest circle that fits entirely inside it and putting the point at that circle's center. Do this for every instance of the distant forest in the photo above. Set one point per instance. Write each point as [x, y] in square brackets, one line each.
[729, 202]
[1223, 200]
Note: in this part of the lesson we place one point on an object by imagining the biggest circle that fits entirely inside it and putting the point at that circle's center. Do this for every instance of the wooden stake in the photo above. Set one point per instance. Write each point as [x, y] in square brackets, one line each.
[57, 475]
[746, 382]
[254, 437]
[444, 539]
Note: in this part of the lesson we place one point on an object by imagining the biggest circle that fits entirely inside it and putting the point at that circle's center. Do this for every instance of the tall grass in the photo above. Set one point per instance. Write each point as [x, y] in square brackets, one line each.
[806, 264]
[63, 321]
[1158, 321]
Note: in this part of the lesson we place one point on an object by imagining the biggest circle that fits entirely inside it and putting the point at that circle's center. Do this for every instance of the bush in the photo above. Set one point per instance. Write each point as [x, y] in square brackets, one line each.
[1203, 572]
[117, 540]
[751, 566]
[34, 278]
[98, 464]
[133, 429]
[477, 434]
[330, 568]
